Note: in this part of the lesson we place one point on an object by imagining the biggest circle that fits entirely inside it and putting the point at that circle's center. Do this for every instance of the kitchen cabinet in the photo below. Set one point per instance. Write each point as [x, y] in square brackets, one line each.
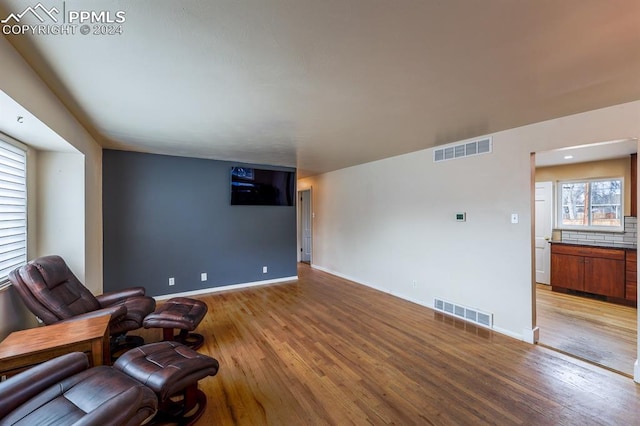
[631, 288]
[595, 270]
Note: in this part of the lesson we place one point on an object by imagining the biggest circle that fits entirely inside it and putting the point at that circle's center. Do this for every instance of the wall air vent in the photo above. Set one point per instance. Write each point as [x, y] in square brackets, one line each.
[467, 149]
[471, 315]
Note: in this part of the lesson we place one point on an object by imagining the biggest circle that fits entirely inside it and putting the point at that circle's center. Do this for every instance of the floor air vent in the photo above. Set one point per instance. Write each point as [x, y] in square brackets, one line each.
[467, 149]
[472, 315]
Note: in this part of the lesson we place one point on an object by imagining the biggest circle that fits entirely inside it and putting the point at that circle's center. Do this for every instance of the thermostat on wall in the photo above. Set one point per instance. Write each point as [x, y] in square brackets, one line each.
[461, 217]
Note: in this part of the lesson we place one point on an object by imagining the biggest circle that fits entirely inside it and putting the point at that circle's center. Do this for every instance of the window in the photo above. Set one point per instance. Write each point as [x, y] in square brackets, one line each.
[13, 209]
[591, 204]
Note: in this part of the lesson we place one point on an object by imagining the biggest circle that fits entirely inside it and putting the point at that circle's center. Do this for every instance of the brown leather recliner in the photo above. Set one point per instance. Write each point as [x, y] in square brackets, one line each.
[159, 377]
[53, 293]
[66, 391]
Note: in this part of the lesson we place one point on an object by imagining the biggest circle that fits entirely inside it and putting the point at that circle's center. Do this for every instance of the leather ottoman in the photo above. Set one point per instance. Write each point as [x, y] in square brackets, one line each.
[172, 370]
[182, 313]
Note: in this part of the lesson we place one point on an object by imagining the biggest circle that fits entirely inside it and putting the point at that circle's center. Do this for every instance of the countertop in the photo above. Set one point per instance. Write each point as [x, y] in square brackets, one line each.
[627, 246]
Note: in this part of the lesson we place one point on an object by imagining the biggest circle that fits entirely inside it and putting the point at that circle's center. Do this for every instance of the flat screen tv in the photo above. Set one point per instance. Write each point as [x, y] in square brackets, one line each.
[259, 187]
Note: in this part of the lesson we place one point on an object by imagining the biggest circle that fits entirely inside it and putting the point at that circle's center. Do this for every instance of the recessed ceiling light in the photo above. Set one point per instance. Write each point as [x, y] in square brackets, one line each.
[20, 119]
[568, 157]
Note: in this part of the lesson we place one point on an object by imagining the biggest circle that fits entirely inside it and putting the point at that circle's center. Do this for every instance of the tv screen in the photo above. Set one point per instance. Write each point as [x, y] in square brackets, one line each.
[258, 187]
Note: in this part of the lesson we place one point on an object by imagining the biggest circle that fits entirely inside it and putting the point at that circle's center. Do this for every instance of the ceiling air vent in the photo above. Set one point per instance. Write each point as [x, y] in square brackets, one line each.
[467, 149]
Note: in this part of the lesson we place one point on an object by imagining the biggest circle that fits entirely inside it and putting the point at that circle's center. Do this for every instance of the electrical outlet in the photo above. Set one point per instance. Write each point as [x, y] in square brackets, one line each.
[264, 269]
[172, 281]
[203, 276]
[414, 284]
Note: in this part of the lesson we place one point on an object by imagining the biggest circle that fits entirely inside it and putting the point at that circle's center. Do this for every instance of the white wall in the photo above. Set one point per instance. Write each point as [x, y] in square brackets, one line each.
[24, 86]
[14, 315]
[60, 208]
[390, 222]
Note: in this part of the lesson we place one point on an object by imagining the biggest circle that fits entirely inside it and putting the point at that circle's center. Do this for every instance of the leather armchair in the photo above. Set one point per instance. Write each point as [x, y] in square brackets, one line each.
[53, 293]
[65, 391]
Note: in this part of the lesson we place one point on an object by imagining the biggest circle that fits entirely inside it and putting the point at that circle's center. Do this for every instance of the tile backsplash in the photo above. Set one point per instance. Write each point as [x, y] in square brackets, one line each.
[626, 239]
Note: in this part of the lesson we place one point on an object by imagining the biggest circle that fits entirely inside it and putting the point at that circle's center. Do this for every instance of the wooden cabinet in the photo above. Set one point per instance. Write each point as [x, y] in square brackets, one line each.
[567, 271]
[593, 270]
[631, 288]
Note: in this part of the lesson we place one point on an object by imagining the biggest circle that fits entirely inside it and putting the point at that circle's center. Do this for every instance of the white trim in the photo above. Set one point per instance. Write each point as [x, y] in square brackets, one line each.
[636, 372]
[531, 335]
[528, 335]
[588, 228]
[350, 278]
[15, 182]
[509, 333]
[226, 288]
[13, 141]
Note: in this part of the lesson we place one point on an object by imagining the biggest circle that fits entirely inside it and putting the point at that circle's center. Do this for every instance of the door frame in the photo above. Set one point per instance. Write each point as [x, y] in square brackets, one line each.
[534, 327]
[300, 230]
[550, 193]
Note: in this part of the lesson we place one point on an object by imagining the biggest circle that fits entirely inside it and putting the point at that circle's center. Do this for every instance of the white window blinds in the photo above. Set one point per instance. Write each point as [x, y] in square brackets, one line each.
[13, 209]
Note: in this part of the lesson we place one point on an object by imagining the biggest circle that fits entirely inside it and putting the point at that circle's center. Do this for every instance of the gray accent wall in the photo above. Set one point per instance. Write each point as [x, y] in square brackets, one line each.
[168, 216]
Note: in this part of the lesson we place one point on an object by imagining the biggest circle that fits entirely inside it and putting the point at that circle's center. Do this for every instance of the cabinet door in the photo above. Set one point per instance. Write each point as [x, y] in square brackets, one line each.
[567, 271]
[631, 290]
[604, 276]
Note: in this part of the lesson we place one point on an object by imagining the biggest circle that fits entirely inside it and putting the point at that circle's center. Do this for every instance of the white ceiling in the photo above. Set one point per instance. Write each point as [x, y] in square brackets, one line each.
[20, 124]
[605, 150]
[325, 84]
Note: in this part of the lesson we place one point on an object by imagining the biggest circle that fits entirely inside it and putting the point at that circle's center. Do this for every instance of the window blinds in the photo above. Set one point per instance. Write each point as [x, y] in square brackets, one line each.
[13, 209]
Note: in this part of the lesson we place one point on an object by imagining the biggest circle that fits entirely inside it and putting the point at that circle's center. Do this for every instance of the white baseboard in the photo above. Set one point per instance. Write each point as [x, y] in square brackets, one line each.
[636, 372]
[508, 333]
[226, 288]
[529, 335]
[350, 278]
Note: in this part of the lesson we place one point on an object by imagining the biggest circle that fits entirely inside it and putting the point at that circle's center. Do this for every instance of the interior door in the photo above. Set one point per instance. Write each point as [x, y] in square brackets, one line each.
[543, 225]
[305, 226]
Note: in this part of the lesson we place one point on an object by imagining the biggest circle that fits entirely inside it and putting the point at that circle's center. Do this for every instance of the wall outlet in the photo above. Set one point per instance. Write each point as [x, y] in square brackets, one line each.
[264, 269]
[414, 284]
[203, 276]
[172, 281]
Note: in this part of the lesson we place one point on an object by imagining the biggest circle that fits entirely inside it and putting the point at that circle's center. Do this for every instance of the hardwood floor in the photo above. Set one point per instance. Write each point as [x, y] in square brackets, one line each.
[326, 351]
[594, 330]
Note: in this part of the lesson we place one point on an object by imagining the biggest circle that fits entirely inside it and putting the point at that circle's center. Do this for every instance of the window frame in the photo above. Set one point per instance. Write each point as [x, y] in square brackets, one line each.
[13, 145]
[589, 227]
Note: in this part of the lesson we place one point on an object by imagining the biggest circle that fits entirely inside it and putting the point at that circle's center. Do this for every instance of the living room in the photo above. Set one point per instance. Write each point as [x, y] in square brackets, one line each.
[389, 223]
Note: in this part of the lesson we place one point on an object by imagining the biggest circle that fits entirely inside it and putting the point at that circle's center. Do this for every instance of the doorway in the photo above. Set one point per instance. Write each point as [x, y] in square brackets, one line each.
[577, 324]
[305, 233]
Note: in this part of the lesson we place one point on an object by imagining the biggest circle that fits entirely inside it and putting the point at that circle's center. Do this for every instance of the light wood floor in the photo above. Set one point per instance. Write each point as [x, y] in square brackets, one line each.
[601, 332]
[326, 351]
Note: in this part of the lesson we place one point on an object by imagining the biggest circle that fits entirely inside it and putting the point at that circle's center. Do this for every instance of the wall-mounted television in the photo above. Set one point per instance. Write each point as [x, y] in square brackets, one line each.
[260, 187]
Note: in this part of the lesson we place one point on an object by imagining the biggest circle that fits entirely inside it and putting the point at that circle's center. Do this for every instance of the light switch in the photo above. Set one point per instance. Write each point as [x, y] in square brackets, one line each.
[514, 218]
